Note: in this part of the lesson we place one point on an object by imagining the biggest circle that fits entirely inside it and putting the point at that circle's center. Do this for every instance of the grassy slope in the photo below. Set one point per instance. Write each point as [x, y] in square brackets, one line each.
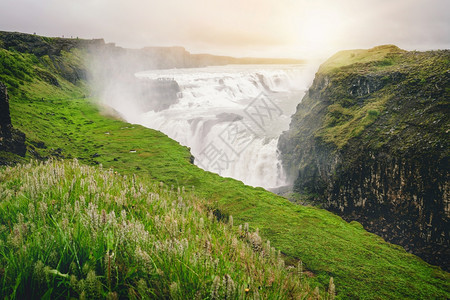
[362, 264]
[69, 230]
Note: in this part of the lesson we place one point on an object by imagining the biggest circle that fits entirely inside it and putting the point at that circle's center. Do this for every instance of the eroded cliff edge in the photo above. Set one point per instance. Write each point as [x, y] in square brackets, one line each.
[370, 142]
[11, 139]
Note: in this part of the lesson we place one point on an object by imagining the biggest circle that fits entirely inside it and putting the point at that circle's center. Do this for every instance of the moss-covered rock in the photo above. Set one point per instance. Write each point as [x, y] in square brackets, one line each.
[369, 141]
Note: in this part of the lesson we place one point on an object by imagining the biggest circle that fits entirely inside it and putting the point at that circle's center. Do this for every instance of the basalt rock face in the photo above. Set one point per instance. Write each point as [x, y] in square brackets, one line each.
[11, 140]
[5, 118]
[369, 141]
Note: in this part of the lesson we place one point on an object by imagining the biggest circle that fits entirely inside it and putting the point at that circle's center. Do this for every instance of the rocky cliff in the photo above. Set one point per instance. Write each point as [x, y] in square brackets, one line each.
[369, 141]
[11, 140]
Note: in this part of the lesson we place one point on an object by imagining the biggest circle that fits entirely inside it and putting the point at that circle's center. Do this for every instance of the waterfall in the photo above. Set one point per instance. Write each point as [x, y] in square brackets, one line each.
[231, 116]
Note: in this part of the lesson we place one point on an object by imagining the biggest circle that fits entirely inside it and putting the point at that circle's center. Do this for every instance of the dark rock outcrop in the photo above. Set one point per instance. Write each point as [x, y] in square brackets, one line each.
[5, 118]
[11, 140]
[150, 94]
[369, 141]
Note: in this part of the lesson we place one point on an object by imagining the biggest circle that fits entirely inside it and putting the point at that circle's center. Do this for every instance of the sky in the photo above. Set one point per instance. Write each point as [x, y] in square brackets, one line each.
[263, 28]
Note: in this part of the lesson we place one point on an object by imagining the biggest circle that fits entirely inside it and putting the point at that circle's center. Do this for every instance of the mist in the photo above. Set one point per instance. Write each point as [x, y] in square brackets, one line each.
[201, 100]
[197, 111]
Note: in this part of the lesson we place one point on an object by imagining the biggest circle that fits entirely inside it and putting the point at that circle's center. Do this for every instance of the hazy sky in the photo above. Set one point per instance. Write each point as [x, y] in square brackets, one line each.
[301, 28]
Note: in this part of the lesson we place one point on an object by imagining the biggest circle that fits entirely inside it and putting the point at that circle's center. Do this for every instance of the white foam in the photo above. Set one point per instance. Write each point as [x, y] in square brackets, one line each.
[214, 98]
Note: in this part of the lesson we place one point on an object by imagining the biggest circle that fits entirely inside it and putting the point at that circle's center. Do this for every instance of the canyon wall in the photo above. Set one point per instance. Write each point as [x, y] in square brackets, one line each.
[369, 141]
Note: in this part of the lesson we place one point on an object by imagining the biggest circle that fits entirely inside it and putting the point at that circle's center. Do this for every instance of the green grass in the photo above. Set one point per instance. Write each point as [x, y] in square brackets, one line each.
[362, 264]
[381, 56]
[343, 123]
[15, 68]
[68, 230]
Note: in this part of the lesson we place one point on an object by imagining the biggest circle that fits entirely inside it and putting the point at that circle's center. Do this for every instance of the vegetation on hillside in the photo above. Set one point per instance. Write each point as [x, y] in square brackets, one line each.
[391, 75]
[27, 75]
[362, 264]
[69, 230]
[369, 141]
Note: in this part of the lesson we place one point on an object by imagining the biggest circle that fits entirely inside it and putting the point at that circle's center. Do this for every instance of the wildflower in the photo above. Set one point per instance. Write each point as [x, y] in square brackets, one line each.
[215, 288]
[86, 268]
[73, 282]
[31, 211]
[216, 264]
[43, 209]
[234, 243]
[65, 224]
[123, 215]
[230, 287]
[144, 260]
[331, 289]
[255, 241]
[92, 285]
[39, 272]
[47, 274]
[207, 246]
[142, 288]
[316, 293]
[256, 295]
[280, 262]
[174, 290]
[112, 296]
[300, 269]
[76, 209]
[94, 218]
[83, 295]
[103, 217]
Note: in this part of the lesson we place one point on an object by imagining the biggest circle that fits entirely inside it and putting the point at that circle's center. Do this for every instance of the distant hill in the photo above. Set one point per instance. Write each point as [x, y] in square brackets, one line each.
[145, 58]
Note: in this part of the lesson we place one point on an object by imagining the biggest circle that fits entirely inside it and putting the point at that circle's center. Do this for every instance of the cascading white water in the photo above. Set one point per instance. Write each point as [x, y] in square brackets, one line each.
[231, 116]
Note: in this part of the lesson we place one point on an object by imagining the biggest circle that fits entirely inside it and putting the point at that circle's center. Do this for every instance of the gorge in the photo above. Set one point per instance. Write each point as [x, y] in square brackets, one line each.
[58, 95]
[367, 142]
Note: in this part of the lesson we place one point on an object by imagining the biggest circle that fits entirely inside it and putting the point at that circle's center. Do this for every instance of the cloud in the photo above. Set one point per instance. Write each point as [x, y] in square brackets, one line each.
[238, 27]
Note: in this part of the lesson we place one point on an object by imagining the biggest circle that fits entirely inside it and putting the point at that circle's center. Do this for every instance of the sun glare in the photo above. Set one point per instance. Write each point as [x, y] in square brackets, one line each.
[317, 28]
